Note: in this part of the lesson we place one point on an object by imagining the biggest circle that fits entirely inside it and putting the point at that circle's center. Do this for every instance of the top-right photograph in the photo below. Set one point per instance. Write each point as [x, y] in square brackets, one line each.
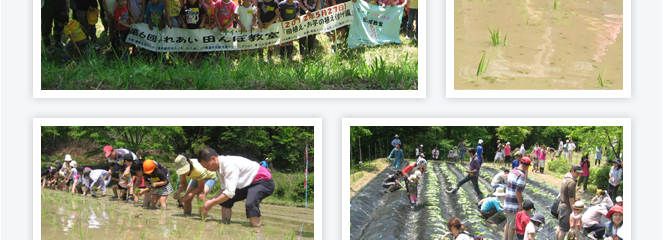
[539, 45]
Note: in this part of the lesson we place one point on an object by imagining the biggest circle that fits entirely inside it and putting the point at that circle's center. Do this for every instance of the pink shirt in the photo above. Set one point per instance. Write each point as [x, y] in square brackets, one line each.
[225, 11]
[507, 150]
[542, 155]
[263, 173]
[390, 2]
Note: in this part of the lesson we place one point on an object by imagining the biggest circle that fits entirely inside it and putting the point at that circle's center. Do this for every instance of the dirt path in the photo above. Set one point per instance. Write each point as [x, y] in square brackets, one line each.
[360, 178]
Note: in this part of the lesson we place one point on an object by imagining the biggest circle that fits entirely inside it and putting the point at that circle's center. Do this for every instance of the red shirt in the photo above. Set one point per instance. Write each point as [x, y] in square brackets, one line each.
[121, 14]
[522, 219]
[409, 167]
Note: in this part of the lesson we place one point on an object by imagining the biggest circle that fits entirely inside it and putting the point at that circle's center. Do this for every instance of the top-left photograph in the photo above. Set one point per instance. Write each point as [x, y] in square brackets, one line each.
[341, 48]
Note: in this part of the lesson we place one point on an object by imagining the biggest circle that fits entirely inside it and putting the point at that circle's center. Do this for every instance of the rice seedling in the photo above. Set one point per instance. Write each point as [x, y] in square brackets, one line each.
[483, 64]
[600, 79]
[556, 4]
[495, 36]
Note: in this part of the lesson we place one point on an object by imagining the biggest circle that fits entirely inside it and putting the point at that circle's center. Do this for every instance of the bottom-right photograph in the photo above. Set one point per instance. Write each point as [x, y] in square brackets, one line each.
[486, 179]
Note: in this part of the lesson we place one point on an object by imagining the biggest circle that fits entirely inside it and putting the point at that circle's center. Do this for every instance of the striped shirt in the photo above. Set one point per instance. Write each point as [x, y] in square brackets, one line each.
[516, 182]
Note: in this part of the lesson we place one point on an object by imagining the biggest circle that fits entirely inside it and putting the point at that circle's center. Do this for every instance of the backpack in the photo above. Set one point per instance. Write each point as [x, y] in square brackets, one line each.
[477, 237]
[554, 208]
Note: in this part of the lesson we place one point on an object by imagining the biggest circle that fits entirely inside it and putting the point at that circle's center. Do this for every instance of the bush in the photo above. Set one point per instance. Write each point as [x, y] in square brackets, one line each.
[559, 165]
[300, 191]
[601, 176]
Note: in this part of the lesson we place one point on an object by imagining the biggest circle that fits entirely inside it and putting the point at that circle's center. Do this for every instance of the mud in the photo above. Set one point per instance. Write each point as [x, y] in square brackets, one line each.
[74, 216]
[546, 49]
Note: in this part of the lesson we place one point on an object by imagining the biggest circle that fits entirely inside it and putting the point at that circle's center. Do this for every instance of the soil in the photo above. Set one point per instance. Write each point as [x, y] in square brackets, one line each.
[361, 178]
[68, 216]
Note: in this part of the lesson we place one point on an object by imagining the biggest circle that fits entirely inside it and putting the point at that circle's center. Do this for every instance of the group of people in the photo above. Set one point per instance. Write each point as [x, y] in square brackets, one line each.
[239, 179]
[117, 17]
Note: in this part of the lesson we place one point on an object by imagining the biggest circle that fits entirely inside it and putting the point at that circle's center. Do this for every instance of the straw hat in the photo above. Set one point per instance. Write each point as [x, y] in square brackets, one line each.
[579, 205]
[93, 16]
[499, 192]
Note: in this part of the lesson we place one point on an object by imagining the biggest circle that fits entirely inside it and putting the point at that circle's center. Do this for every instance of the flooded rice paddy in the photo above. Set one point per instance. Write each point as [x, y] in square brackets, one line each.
[65, 216]
[541, 45]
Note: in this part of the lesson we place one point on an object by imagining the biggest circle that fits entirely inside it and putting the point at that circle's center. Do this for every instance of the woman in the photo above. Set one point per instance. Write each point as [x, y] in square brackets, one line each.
[201, 183]
[615, 178]
[599, 152]
[457, 230]
[584, 176]
[616, 216]
[507, 154]
[591, 221]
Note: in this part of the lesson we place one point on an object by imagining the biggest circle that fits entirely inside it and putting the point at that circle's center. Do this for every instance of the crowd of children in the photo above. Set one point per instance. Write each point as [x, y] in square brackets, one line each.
[117, 17]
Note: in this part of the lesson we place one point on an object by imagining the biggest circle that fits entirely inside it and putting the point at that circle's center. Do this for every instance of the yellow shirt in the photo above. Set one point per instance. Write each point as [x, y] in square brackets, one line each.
[175, 7]
[199, 172]
[414, 4]
[74, 27]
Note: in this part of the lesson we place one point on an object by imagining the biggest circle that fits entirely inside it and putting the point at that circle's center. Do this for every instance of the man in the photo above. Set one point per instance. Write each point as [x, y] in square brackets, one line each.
[436, 153]
[513, 203]
[566, 150]
[395, 141]
[480, 152]
[567, 195]
[96, 178]
[116, 159]
[499, 180]
[571, 147]
[492, 206]
[463, 148]
[472, 174]
[265, 163]
[560, 147]
[240, 179]
[398, 156]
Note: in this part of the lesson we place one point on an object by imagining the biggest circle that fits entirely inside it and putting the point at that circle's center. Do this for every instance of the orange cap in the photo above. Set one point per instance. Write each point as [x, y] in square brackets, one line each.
[149, 166]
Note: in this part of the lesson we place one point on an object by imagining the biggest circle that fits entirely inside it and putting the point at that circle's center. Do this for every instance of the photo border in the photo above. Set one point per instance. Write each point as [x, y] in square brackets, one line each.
[39, 122]
[348, 122]
[37, 92]
[450, 72]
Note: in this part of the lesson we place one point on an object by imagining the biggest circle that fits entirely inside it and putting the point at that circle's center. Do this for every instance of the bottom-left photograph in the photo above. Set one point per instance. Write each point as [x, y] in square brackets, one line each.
[176, 178]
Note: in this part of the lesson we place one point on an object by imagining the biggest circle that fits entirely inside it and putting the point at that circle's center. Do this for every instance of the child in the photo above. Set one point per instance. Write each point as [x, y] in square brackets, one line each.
[125, 179]
[174, 8]
[392, 3]
[522, 218]
[201, 183]
[225, 13]
[268, 12]
[575, 220]
[616, 216]
[392, 183]
[79, 181]
[193, 15]
[288, 10]
[155, 12]
[307, 43]
[86, 9]
[515, 163]
[70, 175]
[210, 6]
[602, 197]
[246, 16]
[160, 187]
[534, 223]
[535, 158]
[123, 24]
[412, 183]
[339, 34]
[140, 183]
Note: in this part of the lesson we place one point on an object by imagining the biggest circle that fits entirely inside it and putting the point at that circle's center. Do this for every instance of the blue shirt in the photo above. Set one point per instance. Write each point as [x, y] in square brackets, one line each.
[479, 152]
[398, 154]
[264, 164]
[515, 164]
[396, 141]
[490, 203]
[155, 13]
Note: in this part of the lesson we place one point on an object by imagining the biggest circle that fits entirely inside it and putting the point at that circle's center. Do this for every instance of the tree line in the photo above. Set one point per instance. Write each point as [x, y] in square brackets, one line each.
[285, 145]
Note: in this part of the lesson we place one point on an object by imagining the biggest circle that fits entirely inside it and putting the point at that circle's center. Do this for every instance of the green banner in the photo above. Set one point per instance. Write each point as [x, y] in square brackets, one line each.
[374, 25]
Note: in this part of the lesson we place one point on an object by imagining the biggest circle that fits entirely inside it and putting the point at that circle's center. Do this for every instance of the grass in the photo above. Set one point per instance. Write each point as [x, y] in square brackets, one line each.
[496, 38]
[601, 78]
[483, 64]
[391, 66]
[556, 4]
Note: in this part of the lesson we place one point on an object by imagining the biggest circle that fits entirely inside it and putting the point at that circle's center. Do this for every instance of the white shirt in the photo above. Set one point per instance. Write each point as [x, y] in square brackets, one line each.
[616, 175]
[435, 153]
[571, 147]
[95, 176]
[463, 237]
[498, 179]
[236, 172]
[530, 228]
[73, 174]
[246, 15]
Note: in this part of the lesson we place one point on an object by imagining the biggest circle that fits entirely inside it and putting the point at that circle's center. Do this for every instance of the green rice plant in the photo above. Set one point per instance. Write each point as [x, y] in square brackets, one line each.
[483, 64]
[601, 78]
[494, 35]
[556, 4]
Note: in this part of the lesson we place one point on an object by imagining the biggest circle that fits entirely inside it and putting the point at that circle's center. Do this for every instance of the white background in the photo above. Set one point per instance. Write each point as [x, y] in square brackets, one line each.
[644, 109]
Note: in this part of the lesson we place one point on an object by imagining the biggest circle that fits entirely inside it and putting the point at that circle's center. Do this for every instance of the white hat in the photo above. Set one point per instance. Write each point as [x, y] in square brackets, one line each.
[567, 140]
[480, 141]
[508, 143]
[73, 164]
[498, 140]
[67, 157]
[417, 174]
[421, 145]
[499, 192]
[619, 199]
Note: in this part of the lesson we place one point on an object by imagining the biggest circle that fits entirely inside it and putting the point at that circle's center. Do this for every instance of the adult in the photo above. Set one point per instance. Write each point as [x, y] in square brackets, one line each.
[472, 174]
[419, 152]
[591, 221]
[598, 156]
[395, 141]
[566, 150]
[200, 184]
[265, 163]
[615, 178]
[49, 10]
[567, 199]
[64, 172]
[513, 203]
[391, 183]
[240, 179]
[398, 156]
[572, 148]
[507, 154]
[419, 165]
[457, 230]
[479, 152]
[536, 153]
[522, 149]
[517, 157]
[435, 153]
[462, 147]
[115, 158]
[454, 154]
[543, 151]
[560, 148]
[412, 16]
[499, 180]
[584, 177]
[616, 216]
[498, 153]
[96, 178]
[492, 206]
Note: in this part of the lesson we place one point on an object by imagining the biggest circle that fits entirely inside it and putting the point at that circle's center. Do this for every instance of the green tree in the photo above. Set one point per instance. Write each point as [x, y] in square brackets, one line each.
[516, 134]
[611, 137]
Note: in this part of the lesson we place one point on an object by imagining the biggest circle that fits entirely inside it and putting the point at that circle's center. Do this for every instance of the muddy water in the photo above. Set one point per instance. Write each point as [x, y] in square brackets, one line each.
[547, 49]
[77, 217]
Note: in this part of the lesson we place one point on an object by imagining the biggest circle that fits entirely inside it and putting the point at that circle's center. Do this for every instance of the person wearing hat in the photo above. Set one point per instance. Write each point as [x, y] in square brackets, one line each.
[472, 174]
[602, 197]
[395, 141]
[408, 172]
[160, 186]
[412, 184]
[516, 161]
[201, 183]
[479, 152]
[116, 155]
[79, 180]
[616, 216]
[240, 178]
[615, 177]
[96, 178]
[575, 220]
[492, 206]
[507, 154]
[584, 177]
[462, 147]
[591, 221]
[567, 200]
[498, 153]
[619, 201]
[522, 218]
[499, 180]
[70, 175]
[125, 178]
[140, 181]
[265, 163]
[534, 223]
[513, 202]
[398, 156]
